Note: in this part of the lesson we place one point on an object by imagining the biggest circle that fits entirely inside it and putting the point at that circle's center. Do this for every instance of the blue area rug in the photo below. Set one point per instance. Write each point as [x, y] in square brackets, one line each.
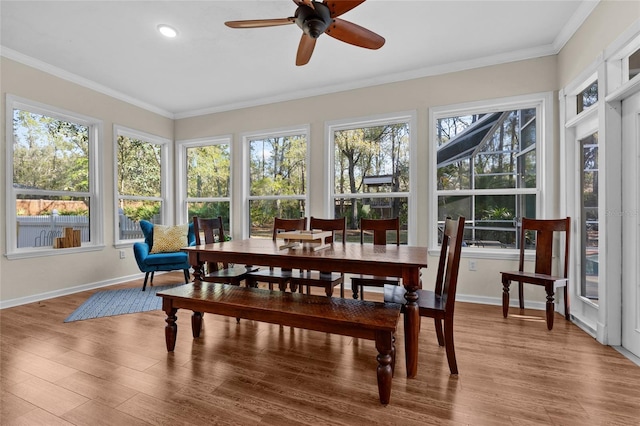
[118, 302]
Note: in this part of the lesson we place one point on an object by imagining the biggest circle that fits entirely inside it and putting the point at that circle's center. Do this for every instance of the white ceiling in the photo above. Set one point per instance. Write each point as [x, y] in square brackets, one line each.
[114, 47]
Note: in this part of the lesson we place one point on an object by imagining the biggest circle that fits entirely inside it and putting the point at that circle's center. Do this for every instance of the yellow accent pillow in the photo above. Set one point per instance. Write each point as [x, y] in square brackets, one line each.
[168, 239]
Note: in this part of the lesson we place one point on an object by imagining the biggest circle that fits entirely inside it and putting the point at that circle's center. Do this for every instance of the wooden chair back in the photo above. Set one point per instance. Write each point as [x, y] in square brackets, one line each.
[334, 225]
[285, 225]
[544, 231]
[212, 228]
[449, 264]
[380, 228]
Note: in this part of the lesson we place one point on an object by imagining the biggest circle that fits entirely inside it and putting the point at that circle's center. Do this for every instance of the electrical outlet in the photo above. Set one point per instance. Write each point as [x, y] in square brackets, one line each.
[122, 254]
[472, 265]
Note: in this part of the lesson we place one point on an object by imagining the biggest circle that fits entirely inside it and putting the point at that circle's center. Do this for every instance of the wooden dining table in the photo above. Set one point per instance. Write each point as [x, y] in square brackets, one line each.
[389, 260]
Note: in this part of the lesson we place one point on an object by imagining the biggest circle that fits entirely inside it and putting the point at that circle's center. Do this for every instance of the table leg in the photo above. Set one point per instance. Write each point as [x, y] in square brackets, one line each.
[384, 345]
[411, 281]
[196, 324]
[171, 329]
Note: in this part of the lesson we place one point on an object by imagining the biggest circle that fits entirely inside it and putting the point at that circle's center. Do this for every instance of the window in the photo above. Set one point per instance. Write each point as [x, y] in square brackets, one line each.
[53, 171]
[371, 171]
[487, 162]
[205, 181]
[587, 97]
[277, 178]
[141, 181]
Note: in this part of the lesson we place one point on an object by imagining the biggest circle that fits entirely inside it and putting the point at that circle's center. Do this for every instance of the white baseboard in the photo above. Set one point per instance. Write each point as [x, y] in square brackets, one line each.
[65, 291]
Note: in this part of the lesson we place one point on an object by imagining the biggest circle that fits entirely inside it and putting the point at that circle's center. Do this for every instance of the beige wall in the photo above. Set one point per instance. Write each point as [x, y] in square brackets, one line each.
[607, 21]
[28, 277]
[21, 278]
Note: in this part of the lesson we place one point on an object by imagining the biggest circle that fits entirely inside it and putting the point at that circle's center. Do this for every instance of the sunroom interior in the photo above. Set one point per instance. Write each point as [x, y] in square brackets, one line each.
[551, 96]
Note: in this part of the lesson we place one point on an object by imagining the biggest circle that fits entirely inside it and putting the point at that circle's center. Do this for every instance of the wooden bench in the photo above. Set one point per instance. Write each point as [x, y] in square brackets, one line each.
[357, 318]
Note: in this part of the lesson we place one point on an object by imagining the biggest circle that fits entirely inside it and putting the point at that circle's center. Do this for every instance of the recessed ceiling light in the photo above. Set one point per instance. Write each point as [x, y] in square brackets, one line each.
[167, 30]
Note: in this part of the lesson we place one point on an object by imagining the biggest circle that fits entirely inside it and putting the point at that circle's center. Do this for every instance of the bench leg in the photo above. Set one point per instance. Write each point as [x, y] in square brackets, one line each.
[384, 345]
[171, 329]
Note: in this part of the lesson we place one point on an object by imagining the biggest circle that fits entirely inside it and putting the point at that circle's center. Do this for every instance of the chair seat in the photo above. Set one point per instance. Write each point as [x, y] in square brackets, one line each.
[374, 280]
[234, 272]
[166, 258]
[534, 278]
[272, 274]
[427, 299]
[328, 280]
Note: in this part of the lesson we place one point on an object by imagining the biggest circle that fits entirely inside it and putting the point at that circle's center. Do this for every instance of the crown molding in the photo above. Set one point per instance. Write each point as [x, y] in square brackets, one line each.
[81, 81]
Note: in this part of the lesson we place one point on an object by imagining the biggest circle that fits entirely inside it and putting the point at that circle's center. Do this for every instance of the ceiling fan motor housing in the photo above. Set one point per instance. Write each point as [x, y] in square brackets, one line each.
[313, 22]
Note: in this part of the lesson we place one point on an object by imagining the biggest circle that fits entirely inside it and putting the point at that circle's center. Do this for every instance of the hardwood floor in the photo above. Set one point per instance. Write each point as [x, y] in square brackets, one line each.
[116, 371]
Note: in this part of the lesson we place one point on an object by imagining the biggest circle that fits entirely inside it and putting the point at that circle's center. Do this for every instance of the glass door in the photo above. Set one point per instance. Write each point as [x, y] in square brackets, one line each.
[589, 223]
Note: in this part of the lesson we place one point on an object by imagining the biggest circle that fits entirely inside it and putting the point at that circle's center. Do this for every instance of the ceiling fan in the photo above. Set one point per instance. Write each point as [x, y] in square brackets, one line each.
[315, 18]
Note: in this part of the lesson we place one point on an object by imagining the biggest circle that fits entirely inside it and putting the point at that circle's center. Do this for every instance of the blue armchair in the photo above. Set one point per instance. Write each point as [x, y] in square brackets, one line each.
[149, 262]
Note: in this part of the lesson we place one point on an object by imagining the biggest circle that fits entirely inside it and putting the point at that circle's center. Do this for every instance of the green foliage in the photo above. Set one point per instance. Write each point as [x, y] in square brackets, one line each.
[49, 154]
[139, 167]
[144, 211]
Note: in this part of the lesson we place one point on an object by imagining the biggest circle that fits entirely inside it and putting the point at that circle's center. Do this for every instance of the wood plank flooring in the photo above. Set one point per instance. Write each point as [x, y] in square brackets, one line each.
[116, 371]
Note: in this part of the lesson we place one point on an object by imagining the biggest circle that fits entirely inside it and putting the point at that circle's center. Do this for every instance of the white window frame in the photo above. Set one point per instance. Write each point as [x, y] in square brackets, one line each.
[182, 179]
[246, 184]
[545, 190]
[331, 127]
[165, 209]
[95, 180]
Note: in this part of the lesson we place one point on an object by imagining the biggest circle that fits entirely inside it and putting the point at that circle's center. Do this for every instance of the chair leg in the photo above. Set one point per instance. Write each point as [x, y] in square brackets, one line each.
[521, 294]
[342, 289]
[448, 339]
[187, 276]
[354, 289]
[566, 303]
[550, 306]
[146, 277]
[438, 323]
[151, 280]
[505, 297]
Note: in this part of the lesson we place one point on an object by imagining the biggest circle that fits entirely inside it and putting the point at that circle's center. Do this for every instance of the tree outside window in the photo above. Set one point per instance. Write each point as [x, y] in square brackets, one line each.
[53, 185]
[139, 181]
[371, 173]
[278, 180]
[209, 181]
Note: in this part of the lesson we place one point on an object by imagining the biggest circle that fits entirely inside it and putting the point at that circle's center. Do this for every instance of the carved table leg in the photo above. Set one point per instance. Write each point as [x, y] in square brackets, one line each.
[505, 297]
[171, 329]
[384, 345]
[196, 324]
[411, 330]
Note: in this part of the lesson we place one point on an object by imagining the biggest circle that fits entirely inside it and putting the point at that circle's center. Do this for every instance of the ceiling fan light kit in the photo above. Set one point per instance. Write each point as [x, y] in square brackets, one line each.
[315, 19]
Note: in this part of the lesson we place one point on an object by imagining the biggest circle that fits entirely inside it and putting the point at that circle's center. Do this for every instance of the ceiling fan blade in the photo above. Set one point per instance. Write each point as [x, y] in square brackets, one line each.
[354, 34]
[304, 2]
[305, 49]
[337, 8]
[257, 23]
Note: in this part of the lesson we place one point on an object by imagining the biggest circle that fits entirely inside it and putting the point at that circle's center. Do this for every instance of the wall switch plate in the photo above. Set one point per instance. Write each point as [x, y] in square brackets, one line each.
[122, 254]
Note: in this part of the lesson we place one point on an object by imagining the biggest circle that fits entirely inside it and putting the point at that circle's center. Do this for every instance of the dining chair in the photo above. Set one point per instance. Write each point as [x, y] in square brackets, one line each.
[379, 228]
[307, 278]
[274, 275]
[540, 231]
[439, 304]
[218, 272]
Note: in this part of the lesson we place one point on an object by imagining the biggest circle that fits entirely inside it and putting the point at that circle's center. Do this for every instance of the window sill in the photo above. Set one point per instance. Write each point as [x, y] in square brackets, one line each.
[28, 254]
